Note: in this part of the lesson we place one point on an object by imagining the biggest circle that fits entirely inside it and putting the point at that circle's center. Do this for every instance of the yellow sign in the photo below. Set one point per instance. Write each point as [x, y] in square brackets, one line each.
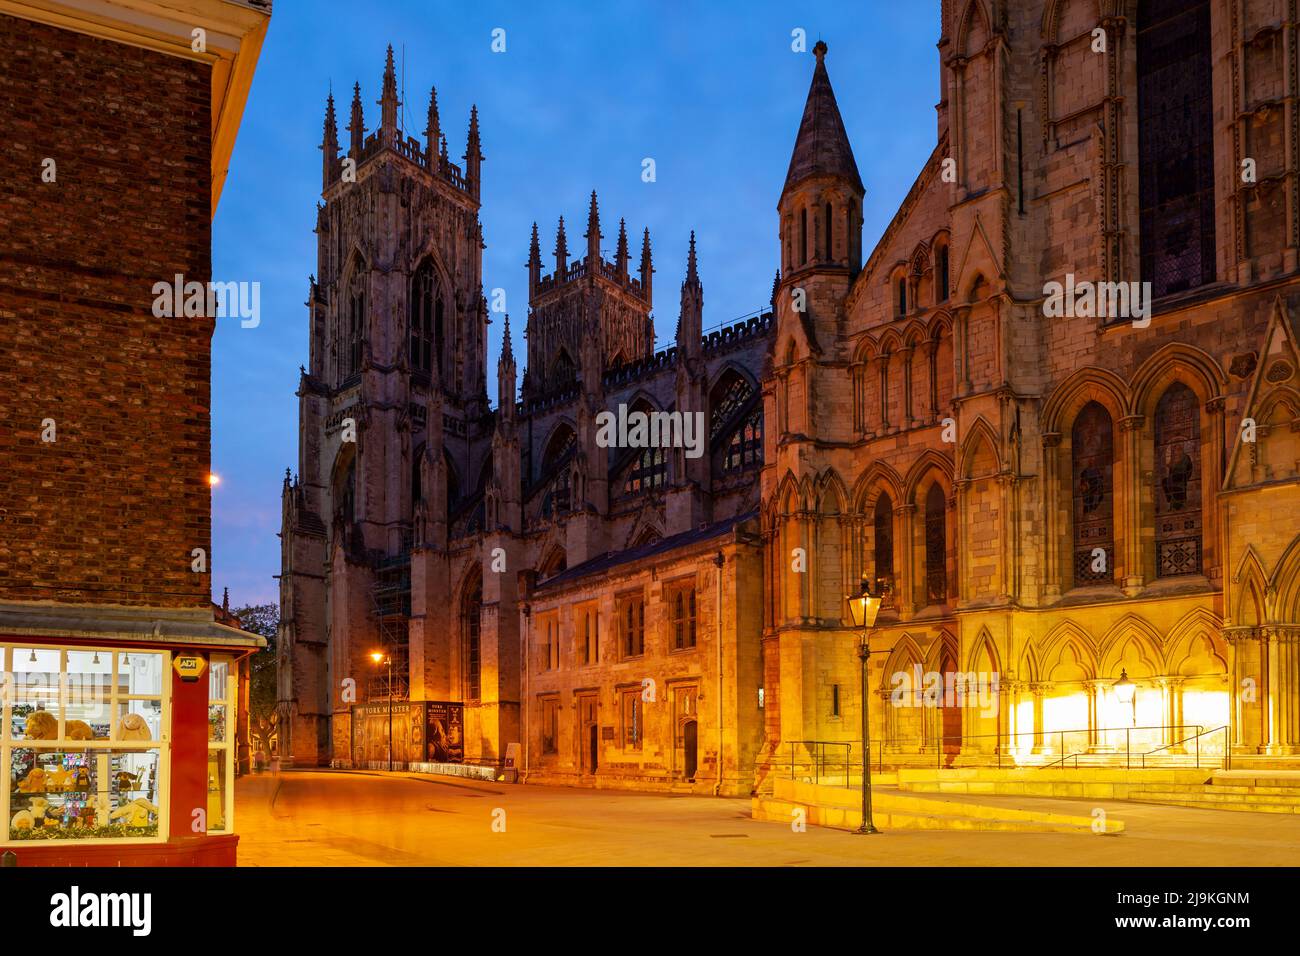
[189, 666]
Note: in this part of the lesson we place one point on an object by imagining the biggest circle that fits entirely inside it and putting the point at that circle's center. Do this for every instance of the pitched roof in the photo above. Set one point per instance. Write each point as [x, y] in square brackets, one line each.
[822, 146]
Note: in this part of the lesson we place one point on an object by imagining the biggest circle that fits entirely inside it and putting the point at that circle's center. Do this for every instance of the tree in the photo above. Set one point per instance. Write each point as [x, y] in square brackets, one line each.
[263, 619]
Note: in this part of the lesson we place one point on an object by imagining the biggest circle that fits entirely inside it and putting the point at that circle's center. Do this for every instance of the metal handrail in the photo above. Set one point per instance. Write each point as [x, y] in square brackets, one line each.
[818, 750]
[1059, 734]
[1197, 737]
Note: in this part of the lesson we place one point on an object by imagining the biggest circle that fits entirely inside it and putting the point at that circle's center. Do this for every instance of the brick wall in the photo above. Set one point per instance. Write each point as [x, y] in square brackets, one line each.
[110, 511]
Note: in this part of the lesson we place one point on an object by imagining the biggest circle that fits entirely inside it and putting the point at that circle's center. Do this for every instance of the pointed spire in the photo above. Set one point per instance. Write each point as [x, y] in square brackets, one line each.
[507, 351]
[473, 156]
[776, 284]
[621, 257]
[692, 277]
[443, 153]
[388, 102]
[534, 263]
[329, 143]
[593, 231]
[690, 321]
[357, 126]
[431, 132]
[561, 253]
[822, 146]
[647, 270]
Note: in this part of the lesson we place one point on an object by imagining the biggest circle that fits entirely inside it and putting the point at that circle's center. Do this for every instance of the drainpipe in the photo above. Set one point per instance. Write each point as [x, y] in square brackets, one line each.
[523, 705]
[718, 561]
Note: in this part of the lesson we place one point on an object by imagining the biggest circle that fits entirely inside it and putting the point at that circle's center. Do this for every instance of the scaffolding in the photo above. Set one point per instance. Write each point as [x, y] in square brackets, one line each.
[391, 608]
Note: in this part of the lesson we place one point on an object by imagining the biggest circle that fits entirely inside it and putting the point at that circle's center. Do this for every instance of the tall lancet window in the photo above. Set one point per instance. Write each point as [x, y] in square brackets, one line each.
[936, 546]
[1093, 452]
[426, 318]
[353, 330]
[883, 540]
[1178, 483]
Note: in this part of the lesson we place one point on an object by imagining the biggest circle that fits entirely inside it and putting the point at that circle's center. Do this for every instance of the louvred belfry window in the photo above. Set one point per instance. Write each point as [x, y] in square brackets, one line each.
[1178, 483]
[426, 310]
[1175, 144]
[1092, 447]
[936, 577]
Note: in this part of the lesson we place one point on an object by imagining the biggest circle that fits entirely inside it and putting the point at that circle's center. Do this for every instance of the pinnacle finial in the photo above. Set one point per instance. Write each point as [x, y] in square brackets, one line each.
[534, 248]
[691, 275]
[819, 50]
[388, 101]
[593, 221]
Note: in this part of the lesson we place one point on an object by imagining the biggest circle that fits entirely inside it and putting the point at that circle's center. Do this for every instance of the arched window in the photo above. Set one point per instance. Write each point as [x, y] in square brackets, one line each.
[902, 295]
[830, 251]
[936, 574]
[941, 266]
[555, 460]
[417, 481]
[563, 371]
[1178, 482]
[736, 422]
[350, 355]
[883, 540]
[345, 494]
[470, 614]
[426, 318]
[1093, 453]
[650, 469]
[803, 235]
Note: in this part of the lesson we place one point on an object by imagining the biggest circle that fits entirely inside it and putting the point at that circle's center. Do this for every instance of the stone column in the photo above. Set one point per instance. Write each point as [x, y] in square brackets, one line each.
[1049, 493]
[1134, 572]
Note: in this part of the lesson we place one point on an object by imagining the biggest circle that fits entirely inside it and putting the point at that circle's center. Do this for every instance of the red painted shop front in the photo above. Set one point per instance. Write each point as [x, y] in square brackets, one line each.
[118, 753]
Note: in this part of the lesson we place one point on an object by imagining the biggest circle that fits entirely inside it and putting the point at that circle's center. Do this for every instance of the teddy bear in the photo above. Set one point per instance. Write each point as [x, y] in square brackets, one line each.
[83, 779]
[42, 725]
[136, 813]
[133, 727]
[34, 782]
[78, 730]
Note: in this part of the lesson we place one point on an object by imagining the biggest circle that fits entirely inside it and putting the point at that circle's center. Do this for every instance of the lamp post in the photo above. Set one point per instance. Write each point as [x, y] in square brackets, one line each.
[863, 608]
[379, 657]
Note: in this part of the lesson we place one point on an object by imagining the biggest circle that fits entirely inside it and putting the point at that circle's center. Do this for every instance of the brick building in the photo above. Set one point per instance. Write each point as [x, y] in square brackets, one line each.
[1058, 496]
[118, 132]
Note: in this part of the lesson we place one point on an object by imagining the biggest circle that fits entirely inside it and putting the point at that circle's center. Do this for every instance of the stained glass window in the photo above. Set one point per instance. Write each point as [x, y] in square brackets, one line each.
[1093, 454]
[936, 576]
[1175, 144]
[473, 609]
[1178, 482]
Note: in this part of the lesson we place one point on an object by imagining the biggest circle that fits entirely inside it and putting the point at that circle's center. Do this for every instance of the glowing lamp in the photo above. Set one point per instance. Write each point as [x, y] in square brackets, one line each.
[863, 606]
[1124, 688]
[213, 479]
[377, 657]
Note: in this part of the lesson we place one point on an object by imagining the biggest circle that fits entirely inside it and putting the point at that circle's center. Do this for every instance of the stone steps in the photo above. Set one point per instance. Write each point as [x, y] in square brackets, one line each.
[1208, 799]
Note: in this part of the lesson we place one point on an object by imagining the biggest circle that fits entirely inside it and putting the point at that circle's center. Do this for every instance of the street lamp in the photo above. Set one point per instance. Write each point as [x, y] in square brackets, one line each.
[379, 657]
[863, 608]
[1126, 692]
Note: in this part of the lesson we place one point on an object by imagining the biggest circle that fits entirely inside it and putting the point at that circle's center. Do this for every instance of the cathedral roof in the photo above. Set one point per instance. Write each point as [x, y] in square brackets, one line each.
[822, 146]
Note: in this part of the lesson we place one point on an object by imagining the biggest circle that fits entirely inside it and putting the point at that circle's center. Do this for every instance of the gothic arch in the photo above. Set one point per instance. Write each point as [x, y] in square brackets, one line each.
[728, 368]
[558, 437]
[890, 342]
[1180, 645]
[1067, 638]
[1176, 362]
[984, 649]
[981, 434]
[1131, 630]
[831, 493]
[974, 25]
[1285, 584]
[930, 462]
[905, 654]
[940, 324]
[915, 333]
[877, 476]
[1251, 607]
[944, 645]
[1086, 385]
[1051, 23]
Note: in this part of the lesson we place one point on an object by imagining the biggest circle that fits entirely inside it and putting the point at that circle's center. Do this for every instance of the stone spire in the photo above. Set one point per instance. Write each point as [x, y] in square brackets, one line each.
[690, 322]
[473, 156]
[329, 143]
[357, 126]
[561, 253]
[388, 101]
[822, 146]
[647, 270]
[534, 263]
[621, 257]
[776, 284]
[432, 134]
[593, 234]
[506, 375]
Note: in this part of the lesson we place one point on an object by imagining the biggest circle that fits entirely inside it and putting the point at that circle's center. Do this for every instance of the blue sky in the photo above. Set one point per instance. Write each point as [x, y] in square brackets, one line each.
[583, 92]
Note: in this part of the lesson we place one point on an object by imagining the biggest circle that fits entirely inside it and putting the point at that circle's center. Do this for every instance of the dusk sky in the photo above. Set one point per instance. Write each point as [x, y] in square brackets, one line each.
[582, 94]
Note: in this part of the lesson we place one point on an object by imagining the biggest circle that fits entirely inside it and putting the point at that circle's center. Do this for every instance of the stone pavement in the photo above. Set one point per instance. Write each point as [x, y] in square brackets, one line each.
[300, 818]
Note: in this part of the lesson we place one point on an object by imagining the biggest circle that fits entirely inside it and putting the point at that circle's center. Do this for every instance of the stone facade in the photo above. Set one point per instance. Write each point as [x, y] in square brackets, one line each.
[1058, 495]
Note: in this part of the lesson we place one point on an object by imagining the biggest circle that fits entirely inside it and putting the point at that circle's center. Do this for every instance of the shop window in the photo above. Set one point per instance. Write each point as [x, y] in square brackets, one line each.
[631, 624]
[80, 743]
[681, 605]
[631, 717]
[222, 710]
